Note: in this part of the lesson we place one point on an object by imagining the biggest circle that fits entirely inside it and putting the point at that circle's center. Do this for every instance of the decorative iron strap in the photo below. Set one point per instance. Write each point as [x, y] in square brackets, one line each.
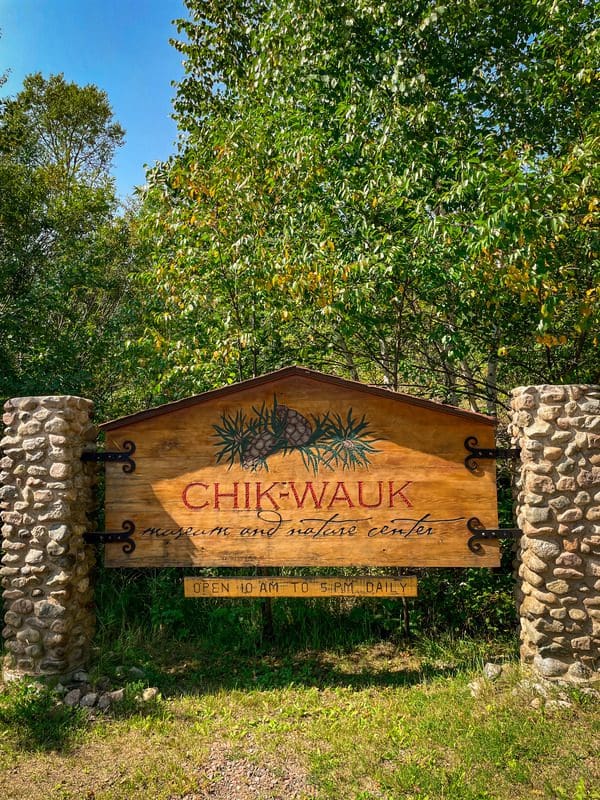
[479, 532]
[108, 537]
[113, 455]
[486, 452]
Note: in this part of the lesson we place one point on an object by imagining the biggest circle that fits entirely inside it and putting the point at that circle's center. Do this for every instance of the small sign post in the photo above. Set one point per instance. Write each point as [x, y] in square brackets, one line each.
[303, 587]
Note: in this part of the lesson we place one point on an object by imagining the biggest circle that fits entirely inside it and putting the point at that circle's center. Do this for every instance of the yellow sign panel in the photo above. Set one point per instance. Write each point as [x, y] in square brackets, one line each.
[277, 586]
[300, 469]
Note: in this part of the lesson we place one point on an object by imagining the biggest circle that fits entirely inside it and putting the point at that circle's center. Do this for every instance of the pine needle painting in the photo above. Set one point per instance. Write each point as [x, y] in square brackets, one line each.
[328, 441]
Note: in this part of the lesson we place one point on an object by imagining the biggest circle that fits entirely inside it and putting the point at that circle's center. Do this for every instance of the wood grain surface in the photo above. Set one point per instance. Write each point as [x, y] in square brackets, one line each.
[404, 503]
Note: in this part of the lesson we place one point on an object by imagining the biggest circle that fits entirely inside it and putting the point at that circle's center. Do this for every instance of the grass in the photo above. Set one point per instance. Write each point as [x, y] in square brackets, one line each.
[371, 722]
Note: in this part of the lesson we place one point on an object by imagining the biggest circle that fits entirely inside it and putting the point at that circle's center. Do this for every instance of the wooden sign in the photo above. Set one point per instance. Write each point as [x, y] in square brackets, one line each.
[300, 469]
[280, 586]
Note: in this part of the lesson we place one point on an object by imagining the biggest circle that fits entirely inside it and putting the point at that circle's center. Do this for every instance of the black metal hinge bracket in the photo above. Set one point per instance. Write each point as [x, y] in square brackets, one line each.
[478, 533]
[486, 452]
[109, 537]
[112, 456]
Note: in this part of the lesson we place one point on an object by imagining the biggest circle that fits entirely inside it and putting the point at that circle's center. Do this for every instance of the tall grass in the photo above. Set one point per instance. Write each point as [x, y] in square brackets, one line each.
[460, 602]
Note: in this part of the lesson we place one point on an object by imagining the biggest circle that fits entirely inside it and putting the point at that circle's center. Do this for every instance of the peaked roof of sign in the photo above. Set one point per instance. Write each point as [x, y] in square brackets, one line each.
[289, 372]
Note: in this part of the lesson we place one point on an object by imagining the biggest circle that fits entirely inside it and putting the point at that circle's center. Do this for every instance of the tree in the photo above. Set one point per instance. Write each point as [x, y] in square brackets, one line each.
[65, 250]
[64, 130]
[404, 191]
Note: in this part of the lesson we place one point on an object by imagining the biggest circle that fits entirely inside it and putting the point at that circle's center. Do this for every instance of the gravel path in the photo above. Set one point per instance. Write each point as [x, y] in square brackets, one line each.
[229, 778]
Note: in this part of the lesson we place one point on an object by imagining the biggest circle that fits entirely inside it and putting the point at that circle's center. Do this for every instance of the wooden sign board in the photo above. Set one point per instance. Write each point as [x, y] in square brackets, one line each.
[300, 469]
[284, 586]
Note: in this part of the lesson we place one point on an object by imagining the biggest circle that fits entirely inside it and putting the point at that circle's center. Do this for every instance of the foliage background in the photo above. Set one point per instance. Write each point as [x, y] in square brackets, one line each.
[404, 193]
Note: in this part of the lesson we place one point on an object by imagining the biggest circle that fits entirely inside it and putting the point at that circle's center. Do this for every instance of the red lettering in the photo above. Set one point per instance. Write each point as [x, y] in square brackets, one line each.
[186, 501]
[308, 489]
[265, 493]
[400, 493]
[344, 497]
[361, 501]
[220, 495]
[246, 495]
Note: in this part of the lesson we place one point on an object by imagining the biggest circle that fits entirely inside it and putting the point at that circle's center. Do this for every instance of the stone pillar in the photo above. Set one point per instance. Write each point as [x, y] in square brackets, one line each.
[558, 509]
[45, 493]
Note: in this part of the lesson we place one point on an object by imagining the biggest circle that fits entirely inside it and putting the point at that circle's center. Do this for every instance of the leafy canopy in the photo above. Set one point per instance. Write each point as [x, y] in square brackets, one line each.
[403, 191]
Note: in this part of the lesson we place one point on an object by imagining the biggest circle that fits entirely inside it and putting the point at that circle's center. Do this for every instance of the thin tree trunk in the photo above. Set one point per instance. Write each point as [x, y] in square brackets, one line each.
[266, 610]
[470, 382]
[348, 358]
[491, 385]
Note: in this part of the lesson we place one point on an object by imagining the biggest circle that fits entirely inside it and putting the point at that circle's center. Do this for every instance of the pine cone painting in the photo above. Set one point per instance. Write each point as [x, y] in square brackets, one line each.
[297, 430]
[263, 445]
[328, 441]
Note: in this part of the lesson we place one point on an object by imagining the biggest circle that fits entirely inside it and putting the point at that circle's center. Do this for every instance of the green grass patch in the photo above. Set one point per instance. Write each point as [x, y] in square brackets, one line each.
[32, 718]
[373, 722]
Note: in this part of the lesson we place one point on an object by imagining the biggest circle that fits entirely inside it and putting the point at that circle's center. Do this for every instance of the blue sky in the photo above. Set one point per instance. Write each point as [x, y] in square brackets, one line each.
[122, 46]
